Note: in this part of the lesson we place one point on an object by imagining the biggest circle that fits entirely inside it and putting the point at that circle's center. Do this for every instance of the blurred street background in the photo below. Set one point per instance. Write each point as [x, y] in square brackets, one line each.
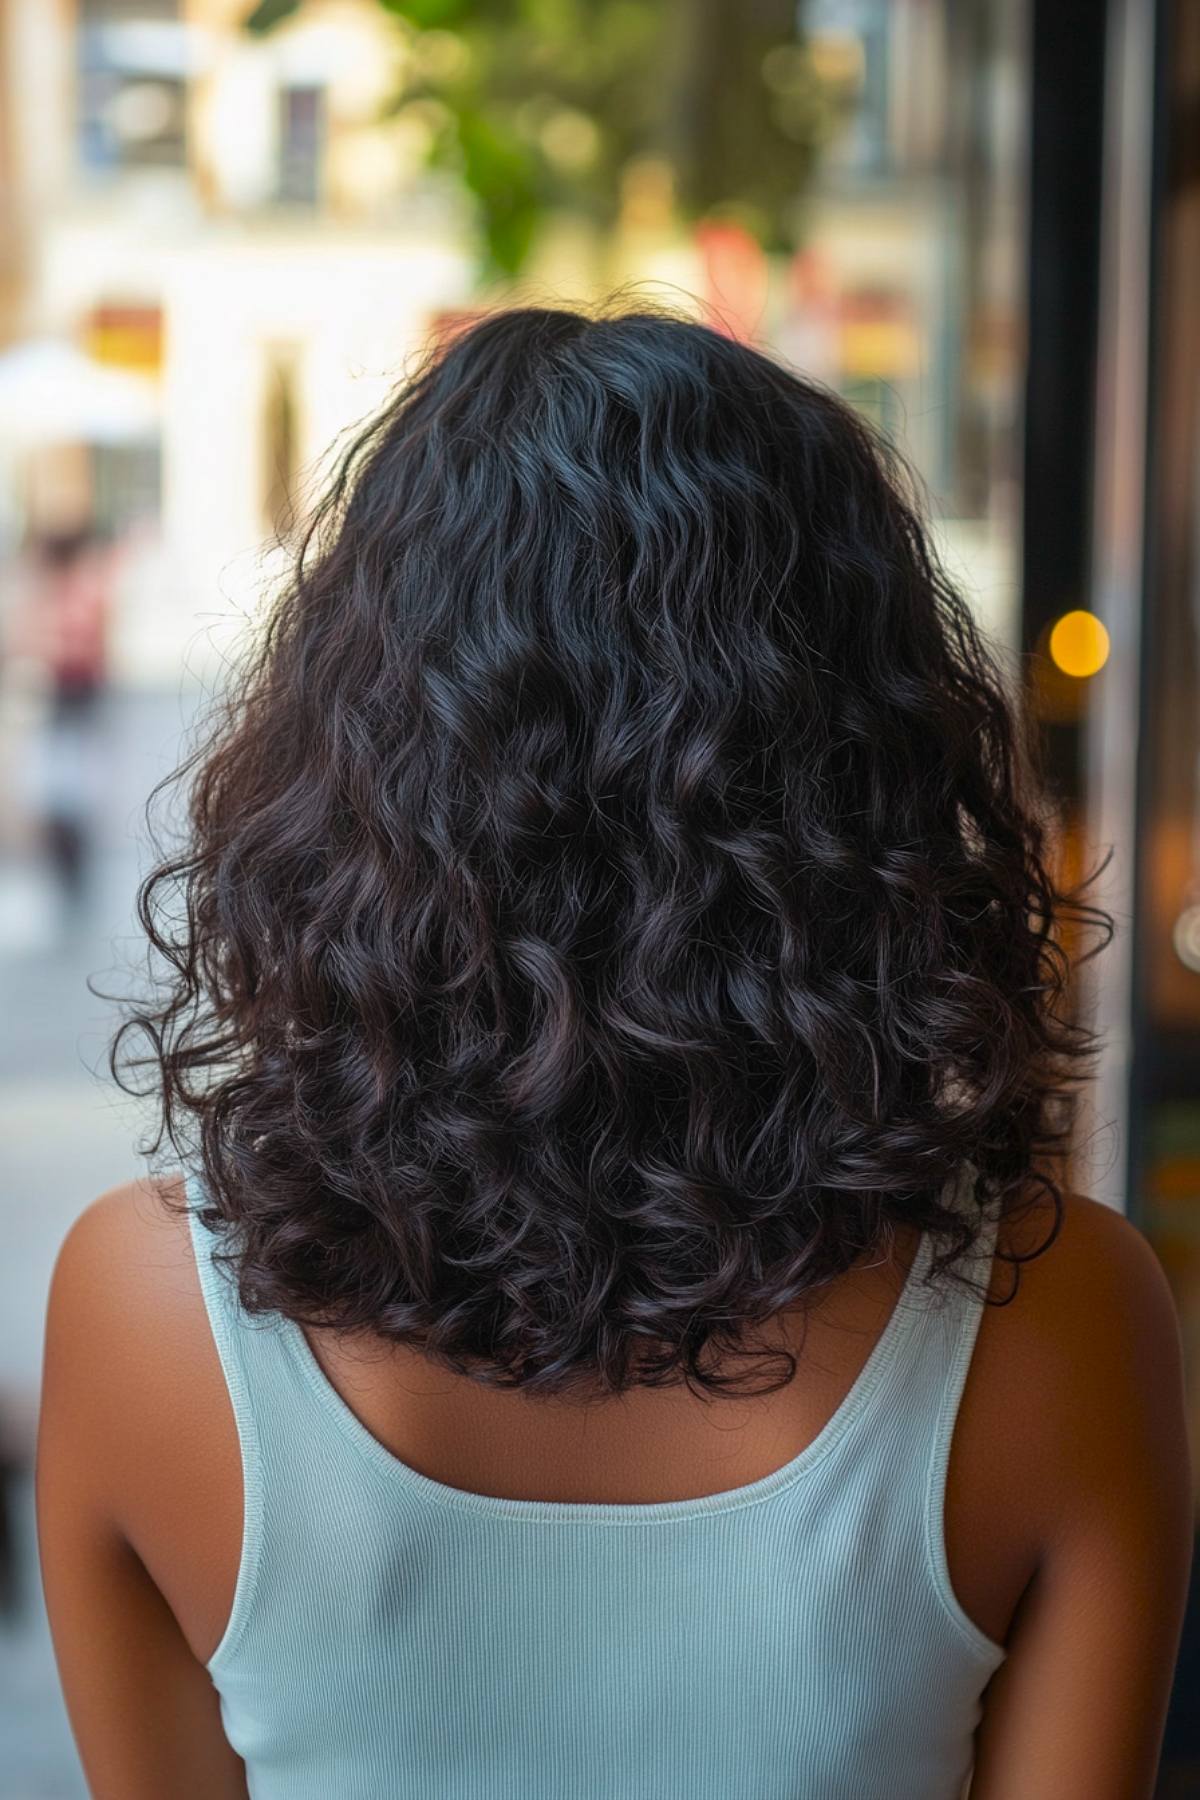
[225, 228]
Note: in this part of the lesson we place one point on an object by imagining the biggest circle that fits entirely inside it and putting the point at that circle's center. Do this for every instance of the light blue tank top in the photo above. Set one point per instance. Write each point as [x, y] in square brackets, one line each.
[797, 1638]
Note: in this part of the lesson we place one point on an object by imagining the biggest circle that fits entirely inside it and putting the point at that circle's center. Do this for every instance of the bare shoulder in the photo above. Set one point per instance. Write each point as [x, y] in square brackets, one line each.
[138, 1499]
[127, 1336]
[1090, 1236]
[1093, 1330]
[1093, 1303]
[131, 1235]
[1089, 1419]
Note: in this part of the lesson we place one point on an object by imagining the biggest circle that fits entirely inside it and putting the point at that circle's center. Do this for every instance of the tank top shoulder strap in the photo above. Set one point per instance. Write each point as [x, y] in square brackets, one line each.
[218, 1284]
[927, 1348]
[268, 1389]
[274, 1430]
[951, 1330]
[960, 1319]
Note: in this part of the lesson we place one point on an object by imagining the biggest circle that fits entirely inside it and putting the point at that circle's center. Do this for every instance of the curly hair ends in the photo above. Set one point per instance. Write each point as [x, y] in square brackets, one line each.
[610, 900]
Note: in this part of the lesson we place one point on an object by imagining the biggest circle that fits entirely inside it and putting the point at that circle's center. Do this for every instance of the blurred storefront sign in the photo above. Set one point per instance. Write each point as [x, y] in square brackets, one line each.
[447, 321]
[125, 337]
[879, 336]
[735, 277]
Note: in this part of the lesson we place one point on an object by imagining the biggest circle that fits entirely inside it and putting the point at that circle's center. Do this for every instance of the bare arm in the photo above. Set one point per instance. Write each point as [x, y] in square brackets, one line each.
[142, 1707]
[1077, 1711]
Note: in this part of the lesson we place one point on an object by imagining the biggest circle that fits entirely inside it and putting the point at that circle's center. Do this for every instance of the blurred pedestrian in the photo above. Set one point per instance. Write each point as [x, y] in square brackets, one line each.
[65, 629]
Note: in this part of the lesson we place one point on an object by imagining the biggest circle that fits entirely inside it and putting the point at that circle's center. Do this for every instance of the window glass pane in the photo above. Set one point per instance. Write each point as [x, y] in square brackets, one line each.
[907, 292]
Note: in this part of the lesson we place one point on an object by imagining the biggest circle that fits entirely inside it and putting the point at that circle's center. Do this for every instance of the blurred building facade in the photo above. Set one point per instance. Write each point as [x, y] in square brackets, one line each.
[227, 218]
[237, 220]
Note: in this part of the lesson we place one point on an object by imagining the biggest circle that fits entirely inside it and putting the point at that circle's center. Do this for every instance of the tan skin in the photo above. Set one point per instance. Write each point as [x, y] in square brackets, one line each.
[1069, 1508]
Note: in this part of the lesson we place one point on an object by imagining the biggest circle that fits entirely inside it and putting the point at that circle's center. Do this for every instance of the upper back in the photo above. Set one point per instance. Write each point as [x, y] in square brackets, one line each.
[803, 1620]
[752, 1619]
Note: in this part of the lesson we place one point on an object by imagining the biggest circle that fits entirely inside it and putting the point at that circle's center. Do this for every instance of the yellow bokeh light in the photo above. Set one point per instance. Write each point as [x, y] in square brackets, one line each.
[1079, 644]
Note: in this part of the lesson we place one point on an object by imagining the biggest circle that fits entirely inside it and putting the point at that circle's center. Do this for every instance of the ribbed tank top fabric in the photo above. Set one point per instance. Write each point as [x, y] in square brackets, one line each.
[796, 1638]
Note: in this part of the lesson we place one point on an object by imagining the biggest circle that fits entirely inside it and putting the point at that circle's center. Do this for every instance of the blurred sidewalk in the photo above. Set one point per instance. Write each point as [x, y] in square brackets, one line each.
[66, 1134]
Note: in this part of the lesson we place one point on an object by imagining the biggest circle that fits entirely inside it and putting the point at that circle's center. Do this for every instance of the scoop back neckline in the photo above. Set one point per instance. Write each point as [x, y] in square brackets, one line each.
[620, 1512]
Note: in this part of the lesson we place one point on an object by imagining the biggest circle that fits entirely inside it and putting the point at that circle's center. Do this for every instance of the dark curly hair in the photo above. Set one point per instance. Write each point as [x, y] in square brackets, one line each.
[612, 899]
